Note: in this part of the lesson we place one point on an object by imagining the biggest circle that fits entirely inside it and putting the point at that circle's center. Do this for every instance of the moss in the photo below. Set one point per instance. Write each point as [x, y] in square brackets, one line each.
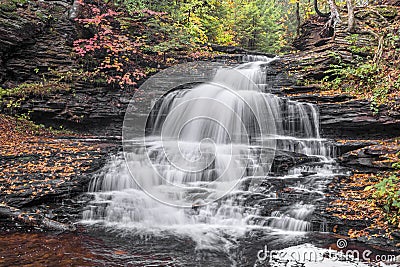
[34, 89]
[8, 7]
[387, 12]
[363, 50]
[41, 16]
[100, 80]
[18, 2]
[12, 5]
[6, 23]
[356, 46]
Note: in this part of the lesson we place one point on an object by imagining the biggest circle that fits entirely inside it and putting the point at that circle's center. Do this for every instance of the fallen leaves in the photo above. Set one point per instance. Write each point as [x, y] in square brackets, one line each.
[355, 201]
[37, 164]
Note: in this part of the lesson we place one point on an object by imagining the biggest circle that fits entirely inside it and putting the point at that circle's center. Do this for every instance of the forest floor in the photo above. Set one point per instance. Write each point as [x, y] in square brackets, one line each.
[39, 166]
[367, 201]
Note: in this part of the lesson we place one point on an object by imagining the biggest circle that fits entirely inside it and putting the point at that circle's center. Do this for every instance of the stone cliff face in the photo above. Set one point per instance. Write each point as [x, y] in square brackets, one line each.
[34, 38]
[96, 110]
[36, 41]
[342, 116]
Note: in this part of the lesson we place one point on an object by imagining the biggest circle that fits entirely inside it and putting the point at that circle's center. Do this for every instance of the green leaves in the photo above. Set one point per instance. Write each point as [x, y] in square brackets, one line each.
[387, 195]
[258, 25]
[368, 188]
[253, 24]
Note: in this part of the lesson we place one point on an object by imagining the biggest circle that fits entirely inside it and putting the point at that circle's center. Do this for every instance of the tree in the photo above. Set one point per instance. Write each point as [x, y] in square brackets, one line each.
[258, 25]
[334, 18]
[318, 11]
[298, 19]
[351, 19]
[108, 47]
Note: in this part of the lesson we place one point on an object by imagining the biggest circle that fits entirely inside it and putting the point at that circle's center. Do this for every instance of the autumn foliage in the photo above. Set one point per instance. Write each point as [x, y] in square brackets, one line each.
[123, 41]
[373, 199]
[110, 51]
[37, 163]
[120, 46]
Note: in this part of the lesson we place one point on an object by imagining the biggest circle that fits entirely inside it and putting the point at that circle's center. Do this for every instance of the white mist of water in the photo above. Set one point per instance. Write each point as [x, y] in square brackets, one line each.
[201, 142]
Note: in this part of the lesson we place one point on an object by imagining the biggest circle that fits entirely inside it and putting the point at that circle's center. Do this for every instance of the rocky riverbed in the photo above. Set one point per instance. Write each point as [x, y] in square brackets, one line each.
[45, 174]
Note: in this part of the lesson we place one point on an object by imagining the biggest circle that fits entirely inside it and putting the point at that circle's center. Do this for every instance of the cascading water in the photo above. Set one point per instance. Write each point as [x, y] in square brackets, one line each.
[214, 144]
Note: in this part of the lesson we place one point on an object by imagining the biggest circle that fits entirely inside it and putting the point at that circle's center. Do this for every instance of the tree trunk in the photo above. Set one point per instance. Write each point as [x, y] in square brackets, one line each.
[298, 19]
[321, 14]
[351, 19]
[334, 19]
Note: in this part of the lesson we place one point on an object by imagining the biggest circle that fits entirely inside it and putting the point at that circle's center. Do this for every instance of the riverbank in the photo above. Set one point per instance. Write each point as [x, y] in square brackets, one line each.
[44, 173]
[354, 80]
[42, 170]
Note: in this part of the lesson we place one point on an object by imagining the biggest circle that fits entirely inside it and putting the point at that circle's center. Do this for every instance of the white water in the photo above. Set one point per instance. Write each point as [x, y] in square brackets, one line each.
[215, 141]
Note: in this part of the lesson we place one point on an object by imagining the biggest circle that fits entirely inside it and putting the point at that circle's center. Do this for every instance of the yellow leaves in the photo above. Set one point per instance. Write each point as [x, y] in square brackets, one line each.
[356, 233]
[368, 188]
[355, 201]
[39, 164]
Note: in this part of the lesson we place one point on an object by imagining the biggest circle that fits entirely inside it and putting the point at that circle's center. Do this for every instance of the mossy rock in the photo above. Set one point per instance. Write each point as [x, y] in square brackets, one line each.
[377, 13]
[12, 5]
[9, 14]
[8, 7]
[370, 15]
[388, 12]
[6, 23]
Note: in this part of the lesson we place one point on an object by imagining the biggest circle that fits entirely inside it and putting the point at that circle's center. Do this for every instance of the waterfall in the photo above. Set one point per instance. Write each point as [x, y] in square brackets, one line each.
[294, 219]
[209, 148]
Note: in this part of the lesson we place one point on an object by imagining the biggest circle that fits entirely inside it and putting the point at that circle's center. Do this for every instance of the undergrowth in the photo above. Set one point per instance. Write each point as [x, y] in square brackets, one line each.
[374, 72]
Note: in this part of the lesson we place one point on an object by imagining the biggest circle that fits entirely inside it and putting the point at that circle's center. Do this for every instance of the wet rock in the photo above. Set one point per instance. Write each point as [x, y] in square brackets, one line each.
[305, 174]
[343, 117]
[371, 159]
[347, 146]
[56, 171]
[285, 160]
[32, 42]
[354, 120]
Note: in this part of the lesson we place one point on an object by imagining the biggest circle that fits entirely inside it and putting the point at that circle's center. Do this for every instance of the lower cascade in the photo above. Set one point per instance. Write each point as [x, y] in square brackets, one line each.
[219, 159]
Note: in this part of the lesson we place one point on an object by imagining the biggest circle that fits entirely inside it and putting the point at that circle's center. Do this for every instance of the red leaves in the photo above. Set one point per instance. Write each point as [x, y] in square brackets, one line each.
[121, 47]
[111, 48]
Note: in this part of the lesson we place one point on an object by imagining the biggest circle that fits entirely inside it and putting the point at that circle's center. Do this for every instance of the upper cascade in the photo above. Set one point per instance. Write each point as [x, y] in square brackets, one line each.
[200, 143]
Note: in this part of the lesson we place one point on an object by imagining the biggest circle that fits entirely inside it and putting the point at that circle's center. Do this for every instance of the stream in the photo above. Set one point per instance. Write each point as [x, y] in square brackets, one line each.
[227, 174]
